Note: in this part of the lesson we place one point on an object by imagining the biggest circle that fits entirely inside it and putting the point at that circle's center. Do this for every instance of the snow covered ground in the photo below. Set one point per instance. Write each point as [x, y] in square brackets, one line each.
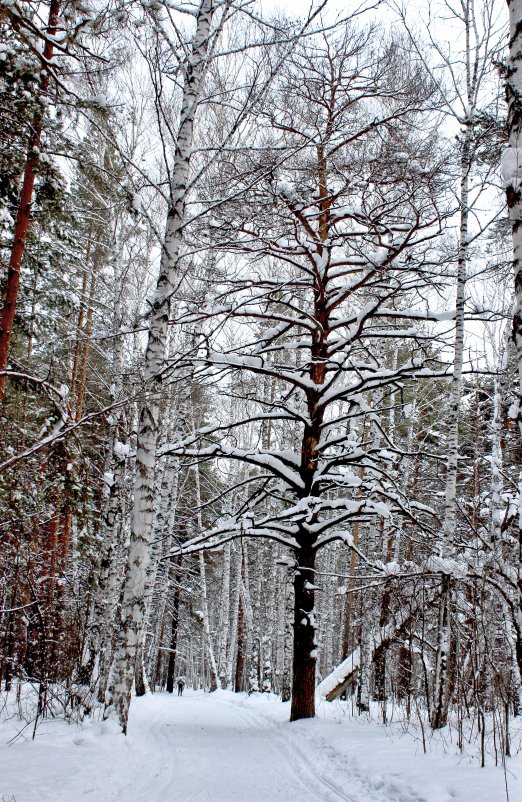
[222, 747]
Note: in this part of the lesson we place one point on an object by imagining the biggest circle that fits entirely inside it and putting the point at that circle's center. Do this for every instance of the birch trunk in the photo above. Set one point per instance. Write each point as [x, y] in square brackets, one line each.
[156, 585]
[133, 606]
[242, 626]
[286, 681]
[173, 643]
[104, 618]
[512, 174]
[105, 611]
[234, 625]
[209, 641]
[214, 677]
[363, 691]
[224, 627]
[444, 633]
[246, 598]
[269, 636]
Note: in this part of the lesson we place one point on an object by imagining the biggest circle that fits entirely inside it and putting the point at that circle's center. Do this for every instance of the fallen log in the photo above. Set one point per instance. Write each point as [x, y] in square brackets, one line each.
[346, 672]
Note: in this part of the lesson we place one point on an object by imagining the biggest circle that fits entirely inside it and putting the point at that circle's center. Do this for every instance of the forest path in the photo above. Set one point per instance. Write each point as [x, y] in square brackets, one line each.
[201, 747]
[223, 747]
[226, 750]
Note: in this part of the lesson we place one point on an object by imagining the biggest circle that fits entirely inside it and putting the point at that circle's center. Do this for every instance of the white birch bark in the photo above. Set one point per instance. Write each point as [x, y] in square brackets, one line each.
[497, 482]
[224, 623]
[231, 651]
[133, 607]
[512, 175]
[327, 598]
[286, 681]
[512, 172]
[166, 481]
[363, 694]
[450, 497]
[444, 634]
[209, 641]
[269, 635]
[160, 576]
[256, 585]
[248, 611]
[214, 675]
[280, 626]
[104, 619]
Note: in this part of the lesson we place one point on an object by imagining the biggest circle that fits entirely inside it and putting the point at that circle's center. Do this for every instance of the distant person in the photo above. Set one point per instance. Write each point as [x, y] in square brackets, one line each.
[181, 685]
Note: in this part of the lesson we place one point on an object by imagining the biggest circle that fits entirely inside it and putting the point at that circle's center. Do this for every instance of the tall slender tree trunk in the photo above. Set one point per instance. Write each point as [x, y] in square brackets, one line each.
[23, 216]
[444, 634]
[81, 374]
[214, 678]
[133, 607]
[286, 681]
[224, 624]
[173, 643]
[512, 174]
[241, 647]
[348, 605]
[234, 623]
[81, 316]
[239, 678]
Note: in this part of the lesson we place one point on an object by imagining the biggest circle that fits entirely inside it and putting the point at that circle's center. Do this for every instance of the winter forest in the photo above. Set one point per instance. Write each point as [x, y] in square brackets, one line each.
[260, 382]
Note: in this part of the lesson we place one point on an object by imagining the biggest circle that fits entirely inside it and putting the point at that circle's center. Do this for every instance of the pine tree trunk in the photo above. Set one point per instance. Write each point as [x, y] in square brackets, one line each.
[304, 657]
[23, 216]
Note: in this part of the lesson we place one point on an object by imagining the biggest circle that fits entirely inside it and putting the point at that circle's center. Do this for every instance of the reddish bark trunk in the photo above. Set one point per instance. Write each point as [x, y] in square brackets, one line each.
[24, 210]
[241, 645]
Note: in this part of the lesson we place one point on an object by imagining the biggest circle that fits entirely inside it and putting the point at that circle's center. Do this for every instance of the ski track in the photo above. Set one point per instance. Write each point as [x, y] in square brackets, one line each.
[218, 747]
[302, 769]
[303, 772]
[356, 787]
[198, 748]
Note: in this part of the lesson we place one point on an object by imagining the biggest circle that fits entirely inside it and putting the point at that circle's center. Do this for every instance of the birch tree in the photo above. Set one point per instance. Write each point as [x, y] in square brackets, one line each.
[133, 606]
[511, 173]
[464, 97]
